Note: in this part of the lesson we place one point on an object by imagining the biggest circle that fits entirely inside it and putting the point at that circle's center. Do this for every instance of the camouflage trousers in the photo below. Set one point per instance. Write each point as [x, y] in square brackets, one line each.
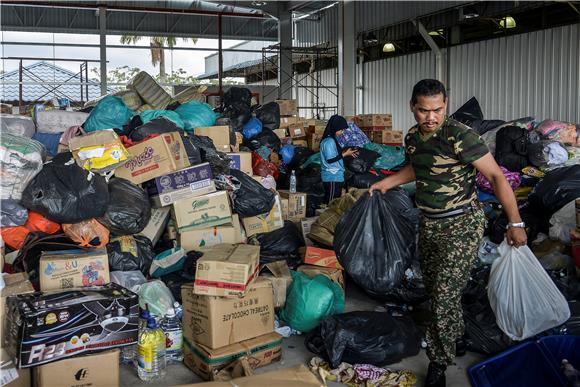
[448, 248]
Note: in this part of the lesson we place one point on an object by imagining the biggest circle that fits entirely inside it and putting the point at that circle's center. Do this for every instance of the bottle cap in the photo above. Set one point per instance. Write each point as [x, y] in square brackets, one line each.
[170, 312]
[151, 324]
[145, 314]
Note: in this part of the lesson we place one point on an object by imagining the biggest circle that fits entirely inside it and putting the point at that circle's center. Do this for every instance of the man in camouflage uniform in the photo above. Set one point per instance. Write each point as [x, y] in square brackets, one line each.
[444, 156]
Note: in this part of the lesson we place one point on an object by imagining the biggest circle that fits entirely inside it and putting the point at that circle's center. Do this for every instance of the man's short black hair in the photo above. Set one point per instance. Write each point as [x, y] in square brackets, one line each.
[428, 88]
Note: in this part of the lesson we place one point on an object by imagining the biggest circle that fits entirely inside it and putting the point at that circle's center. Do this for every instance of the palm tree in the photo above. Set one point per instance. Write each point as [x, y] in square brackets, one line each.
[157, 44]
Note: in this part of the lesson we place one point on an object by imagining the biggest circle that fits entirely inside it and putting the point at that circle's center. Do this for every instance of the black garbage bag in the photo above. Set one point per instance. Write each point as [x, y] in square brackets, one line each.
[484, 126]
[365, 338]
[251, 198]
[266, 138]
[541, 155]
[536, 222]
[236, 105]
[309, 179]
[558, 188]
[301, 154]
[65, 193]
[482, 334]
[468, 112]
[281, 244]
[128, 253]
[363, 180]
[157, 126]
[128, 211]
[218, 161]
[314, 200]
[412, 290]
[375, 240]
[175, 280]
[269, 115]
[361, 164]
[511, 148]
[193, 152]
[28, 258]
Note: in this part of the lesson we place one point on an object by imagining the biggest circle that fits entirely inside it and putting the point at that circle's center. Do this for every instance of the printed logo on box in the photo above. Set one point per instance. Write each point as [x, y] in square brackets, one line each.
[236, 162]
[199, 203]
[140, 159]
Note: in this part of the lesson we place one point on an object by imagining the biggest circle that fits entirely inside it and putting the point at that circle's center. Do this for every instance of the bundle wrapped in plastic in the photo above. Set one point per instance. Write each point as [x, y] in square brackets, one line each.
[21, 159]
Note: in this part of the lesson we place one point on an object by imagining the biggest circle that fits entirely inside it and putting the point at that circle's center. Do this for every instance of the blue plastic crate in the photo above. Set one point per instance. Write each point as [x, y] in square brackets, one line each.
[534, 363]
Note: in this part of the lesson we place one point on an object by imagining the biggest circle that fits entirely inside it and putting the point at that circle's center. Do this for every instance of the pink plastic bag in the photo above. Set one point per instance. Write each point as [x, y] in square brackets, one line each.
[514, 179]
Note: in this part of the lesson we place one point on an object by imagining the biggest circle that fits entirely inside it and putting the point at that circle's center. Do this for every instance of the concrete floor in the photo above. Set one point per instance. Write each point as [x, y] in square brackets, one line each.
[294, 352]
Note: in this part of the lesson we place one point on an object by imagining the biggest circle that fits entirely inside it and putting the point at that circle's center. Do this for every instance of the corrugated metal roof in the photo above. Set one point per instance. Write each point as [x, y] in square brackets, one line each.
[44, 72]
[238, 66]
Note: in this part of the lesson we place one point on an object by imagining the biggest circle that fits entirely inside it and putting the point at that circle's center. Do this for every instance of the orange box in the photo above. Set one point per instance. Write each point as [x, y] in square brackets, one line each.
[321, 257]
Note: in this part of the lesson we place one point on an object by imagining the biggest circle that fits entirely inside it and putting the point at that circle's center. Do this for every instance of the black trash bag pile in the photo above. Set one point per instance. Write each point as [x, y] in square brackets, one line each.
[363, 162]
[266, 138]
[269, 115]
[64, 193]
[157, 126]
[535, 221]
[375, 338]
[128, 211]
[364, 180]
[469, 112]
[218, 161]
[375, 240]
[482, 334]
[251, 198]
[192, 151]
[28, 258]
[558, 188]
[128, 253]
[186, 276]
[484, 126]
[412, 290]
[301, 155]
[281, 244]
[511, 148]
[236, 105]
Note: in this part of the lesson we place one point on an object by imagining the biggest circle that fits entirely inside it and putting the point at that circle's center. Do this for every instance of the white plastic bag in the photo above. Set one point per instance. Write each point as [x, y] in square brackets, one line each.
[562, 222]
[522, 295]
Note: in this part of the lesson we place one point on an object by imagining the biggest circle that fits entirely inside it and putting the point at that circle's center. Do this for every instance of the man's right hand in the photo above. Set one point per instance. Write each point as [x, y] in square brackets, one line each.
[383, 186]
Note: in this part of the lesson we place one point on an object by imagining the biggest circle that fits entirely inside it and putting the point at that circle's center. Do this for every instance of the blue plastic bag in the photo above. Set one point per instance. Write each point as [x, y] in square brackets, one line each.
[309, 300]
[110, 112]
[196, 114]
[391, 156]
[287, 153]
[252, 128]
[150, 115]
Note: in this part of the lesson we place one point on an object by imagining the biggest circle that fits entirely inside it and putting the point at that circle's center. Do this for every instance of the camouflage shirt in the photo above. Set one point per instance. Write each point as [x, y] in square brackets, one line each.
[442, 161]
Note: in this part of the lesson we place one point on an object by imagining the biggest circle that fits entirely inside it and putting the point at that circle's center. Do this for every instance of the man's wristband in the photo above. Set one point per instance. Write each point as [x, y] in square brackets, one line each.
[515, 225]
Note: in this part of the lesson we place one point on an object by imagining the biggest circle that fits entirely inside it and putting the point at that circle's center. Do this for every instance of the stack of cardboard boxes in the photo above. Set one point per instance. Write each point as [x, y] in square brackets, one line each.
[299, 130]
[378, 128]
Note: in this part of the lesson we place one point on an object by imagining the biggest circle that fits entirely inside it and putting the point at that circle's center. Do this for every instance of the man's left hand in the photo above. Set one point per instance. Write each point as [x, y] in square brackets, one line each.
[516, 236]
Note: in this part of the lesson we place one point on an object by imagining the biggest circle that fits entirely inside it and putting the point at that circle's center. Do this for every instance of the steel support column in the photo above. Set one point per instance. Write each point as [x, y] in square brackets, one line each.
[346, 58]
[439, 60]
[220, 57]
[103, 48]
[285, 70]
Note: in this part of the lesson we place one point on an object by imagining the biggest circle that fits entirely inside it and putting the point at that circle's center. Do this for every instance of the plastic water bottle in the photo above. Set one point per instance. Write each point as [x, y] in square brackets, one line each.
[178, 310]
[151, 359]
[173, 337]
[293, 182]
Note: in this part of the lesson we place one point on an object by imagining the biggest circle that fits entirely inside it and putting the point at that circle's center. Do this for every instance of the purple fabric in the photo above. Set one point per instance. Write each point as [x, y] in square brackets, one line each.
[353, 136]
[514, 179]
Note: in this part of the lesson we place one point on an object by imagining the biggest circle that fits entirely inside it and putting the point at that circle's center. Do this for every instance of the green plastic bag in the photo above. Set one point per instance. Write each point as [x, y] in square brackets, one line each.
[391, 156]
[314, 159]
[150, 115]
[196, 114]
[309, 300]
[110, 112]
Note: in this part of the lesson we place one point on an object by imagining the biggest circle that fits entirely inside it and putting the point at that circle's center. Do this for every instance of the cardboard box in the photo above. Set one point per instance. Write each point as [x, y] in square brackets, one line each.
[186, 183]
[296, 205]
[284, 205]
[220, 135]
[217, 322]
[286, 377]
[297, 131]
[281, 133]
[101, 369]
[157, 224]
[278, 274]
[288, 107]
[387, 137]
[265, 222]
[300, 143]
[285, 122]
[368, 120]
[83, 320]
[153, 158]
[73, 269]
[14, 284]
[202, 211]
[305, 226]
[313, 141]
[10, 374]
[205, 362]
[312, 271]
[321, 257]
[242, 161]
[227, 270]
[101, 151]
[199, 239]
